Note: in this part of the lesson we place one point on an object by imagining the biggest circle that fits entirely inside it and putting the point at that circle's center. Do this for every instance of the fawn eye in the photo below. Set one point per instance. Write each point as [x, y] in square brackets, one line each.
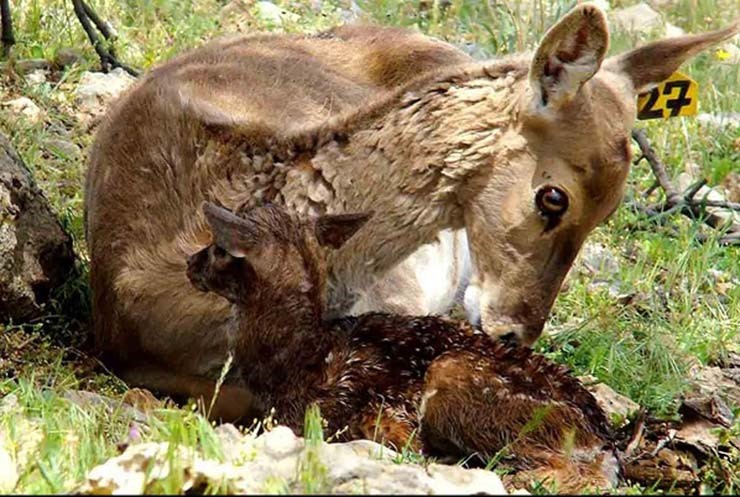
[551, 201]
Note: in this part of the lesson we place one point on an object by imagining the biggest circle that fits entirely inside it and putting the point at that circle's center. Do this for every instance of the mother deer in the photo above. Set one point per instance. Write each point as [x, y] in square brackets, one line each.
[527, 154]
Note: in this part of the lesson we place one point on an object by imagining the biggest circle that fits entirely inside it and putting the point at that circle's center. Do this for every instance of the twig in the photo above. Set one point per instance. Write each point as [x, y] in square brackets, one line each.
[107, 56]
[684, 203]
[672, 195]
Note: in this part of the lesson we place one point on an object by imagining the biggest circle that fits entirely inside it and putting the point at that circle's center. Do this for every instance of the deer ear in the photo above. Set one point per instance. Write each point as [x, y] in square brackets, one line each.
[334, 230]
[232, 233]
[654, 62]
[570, 53]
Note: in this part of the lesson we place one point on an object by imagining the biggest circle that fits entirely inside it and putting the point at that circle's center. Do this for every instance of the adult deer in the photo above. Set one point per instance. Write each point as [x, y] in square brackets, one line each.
[528, 154]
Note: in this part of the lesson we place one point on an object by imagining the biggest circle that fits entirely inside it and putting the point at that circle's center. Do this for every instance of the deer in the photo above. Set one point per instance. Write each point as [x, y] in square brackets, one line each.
[526, 154]
[389, 376]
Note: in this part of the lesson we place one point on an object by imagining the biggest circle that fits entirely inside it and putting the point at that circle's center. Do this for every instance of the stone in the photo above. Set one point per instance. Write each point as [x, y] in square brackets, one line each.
[705, 192]
[61, 148]
[8, 469]
[671, 30]
[272, 15]
[639, 17]
[596, 258]
[96, 90]
[731, 184]
[66, 57]
[719, 119]
[278, 461]
[709, 381]
[618, 408]
[37, 77]
[36, 254]
[30, 65]
[25, 107]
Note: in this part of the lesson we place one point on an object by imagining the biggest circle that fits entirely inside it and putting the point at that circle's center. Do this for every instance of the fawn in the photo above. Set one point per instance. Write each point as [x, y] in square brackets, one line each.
[459, 390]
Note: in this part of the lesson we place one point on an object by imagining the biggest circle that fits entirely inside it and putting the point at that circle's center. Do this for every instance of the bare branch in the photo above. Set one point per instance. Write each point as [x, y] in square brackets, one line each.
[656, 165]
[685, 203]
[107, 57]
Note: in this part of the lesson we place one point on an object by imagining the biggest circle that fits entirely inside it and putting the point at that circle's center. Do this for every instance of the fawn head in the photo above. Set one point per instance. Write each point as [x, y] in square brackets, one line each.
[269, 258]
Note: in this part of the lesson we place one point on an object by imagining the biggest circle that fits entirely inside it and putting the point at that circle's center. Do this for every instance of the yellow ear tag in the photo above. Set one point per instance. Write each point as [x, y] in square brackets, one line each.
[676, 96]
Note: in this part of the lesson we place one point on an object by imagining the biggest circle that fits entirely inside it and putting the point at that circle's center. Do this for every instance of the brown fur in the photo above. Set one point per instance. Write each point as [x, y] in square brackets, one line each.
[361, 118]
[386, 376]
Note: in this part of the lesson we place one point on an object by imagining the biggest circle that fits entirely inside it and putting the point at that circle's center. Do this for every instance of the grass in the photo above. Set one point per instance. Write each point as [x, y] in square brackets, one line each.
[684, 311]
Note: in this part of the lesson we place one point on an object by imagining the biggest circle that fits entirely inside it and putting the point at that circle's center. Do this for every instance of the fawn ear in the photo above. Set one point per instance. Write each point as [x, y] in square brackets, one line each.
[569, 54]
[230, 232]
[334, 230]
[654, 62]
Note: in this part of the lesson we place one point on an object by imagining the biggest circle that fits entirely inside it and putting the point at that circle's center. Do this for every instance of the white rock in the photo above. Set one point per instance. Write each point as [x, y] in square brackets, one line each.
[640, 17]
[597, 258]
[279, 458]
[672, 31]
[25, 107]
[269, 13]
[8, 469]
[37, 77]
[720, 119]
[616, 406]
[96, 90]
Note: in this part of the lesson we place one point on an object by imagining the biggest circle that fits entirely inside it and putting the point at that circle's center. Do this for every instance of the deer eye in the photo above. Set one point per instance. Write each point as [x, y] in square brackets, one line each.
[551, 201]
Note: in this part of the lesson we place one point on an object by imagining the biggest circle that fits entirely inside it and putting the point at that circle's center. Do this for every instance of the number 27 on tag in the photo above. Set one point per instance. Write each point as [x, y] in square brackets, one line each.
[676, 96]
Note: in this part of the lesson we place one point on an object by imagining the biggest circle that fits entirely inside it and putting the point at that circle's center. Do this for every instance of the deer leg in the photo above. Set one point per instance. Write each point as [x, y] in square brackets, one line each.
[389, 425]
[232, 404]
[107, 56]
[470, 406]
[8, 39]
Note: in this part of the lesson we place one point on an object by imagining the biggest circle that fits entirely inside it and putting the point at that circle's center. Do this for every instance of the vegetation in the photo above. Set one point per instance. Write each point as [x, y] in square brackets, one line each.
[683, 307]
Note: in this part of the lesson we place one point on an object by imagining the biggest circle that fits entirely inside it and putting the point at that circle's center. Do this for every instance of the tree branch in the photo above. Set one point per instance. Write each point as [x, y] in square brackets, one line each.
[107, 57]
[685, 203]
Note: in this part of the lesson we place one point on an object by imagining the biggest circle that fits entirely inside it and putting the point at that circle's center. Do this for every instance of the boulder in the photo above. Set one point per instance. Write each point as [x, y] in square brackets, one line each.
[35, 252]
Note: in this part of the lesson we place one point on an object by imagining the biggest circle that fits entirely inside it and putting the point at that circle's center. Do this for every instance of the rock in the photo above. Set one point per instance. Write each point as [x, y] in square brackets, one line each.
[25, 107]
[37, 77]
[61, 148]
[618, 408]
[672, 31]
[30, 65]
[8, 469]
[640, 17]
[270, 14]
[351, 13]
[96, 90]
[708, 193]
[731, 184]
[278, 460]
[709, 381]
[66, 57]
[720, 119]
[598, 258]
[17, 447]
[35, 253]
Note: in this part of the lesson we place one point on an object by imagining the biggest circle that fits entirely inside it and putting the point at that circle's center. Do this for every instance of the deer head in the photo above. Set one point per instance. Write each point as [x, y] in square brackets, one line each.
[267, 258]
[563, 167]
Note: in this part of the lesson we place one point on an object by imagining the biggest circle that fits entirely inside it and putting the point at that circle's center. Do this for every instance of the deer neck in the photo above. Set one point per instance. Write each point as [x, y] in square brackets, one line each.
[409, 165]
[273, 334]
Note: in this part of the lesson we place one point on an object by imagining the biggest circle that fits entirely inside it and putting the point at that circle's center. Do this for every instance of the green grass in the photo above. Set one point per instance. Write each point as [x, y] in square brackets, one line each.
[681, 314]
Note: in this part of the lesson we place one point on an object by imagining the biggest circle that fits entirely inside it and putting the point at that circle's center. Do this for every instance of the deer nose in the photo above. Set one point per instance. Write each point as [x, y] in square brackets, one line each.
[514, 334]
